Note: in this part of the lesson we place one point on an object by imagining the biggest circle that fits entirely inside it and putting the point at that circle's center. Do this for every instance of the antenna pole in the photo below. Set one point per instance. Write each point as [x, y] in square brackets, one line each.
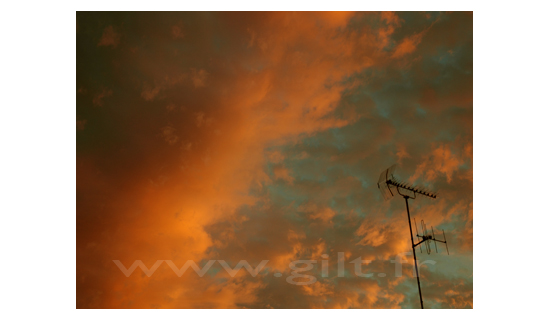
[385, 184]
[414, 252]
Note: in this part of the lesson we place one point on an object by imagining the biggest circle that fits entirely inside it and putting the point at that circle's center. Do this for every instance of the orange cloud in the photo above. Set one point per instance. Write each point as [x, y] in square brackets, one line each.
[109, 37]
[407, 45]
[98, 98]
[441, 161]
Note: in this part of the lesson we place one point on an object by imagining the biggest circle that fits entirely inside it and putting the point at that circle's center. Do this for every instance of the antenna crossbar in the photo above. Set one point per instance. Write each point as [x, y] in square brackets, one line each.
[411, 188]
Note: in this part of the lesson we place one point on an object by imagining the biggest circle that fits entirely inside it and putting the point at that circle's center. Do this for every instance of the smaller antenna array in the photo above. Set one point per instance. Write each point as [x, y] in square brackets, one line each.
[426, 237]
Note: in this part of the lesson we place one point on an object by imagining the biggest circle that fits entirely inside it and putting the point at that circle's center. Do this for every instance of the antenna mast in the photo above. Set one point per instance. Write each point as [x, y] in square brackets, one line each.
[386, 183]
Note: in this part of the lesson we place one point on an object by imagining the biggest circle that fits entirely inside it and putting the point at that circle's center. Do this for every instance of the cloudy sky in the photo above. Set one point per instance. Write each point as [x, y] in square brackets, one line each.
[220, 137]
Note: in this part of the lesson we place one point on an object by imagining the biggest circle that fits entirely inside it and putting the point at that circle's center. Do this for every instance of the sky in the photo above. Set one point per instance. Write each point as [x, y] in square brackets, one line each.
[215, 138]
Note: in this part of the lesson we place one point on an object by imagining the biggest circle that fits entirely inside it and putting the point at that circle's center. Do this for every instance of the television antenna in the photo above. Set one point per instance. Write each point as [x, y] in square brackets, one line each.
[390, 186]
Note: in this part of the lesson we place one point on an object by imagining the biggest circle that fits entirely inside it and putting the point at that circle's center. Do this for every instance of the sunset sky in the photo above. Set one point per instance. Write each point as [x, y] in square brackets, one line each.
[261, 136]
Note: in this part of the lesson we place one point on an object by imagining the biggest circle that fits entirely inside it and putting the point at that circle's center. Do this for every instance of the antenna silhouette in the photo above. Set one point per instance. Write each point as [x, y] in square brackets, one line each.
[426, 237]
[390, 186]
